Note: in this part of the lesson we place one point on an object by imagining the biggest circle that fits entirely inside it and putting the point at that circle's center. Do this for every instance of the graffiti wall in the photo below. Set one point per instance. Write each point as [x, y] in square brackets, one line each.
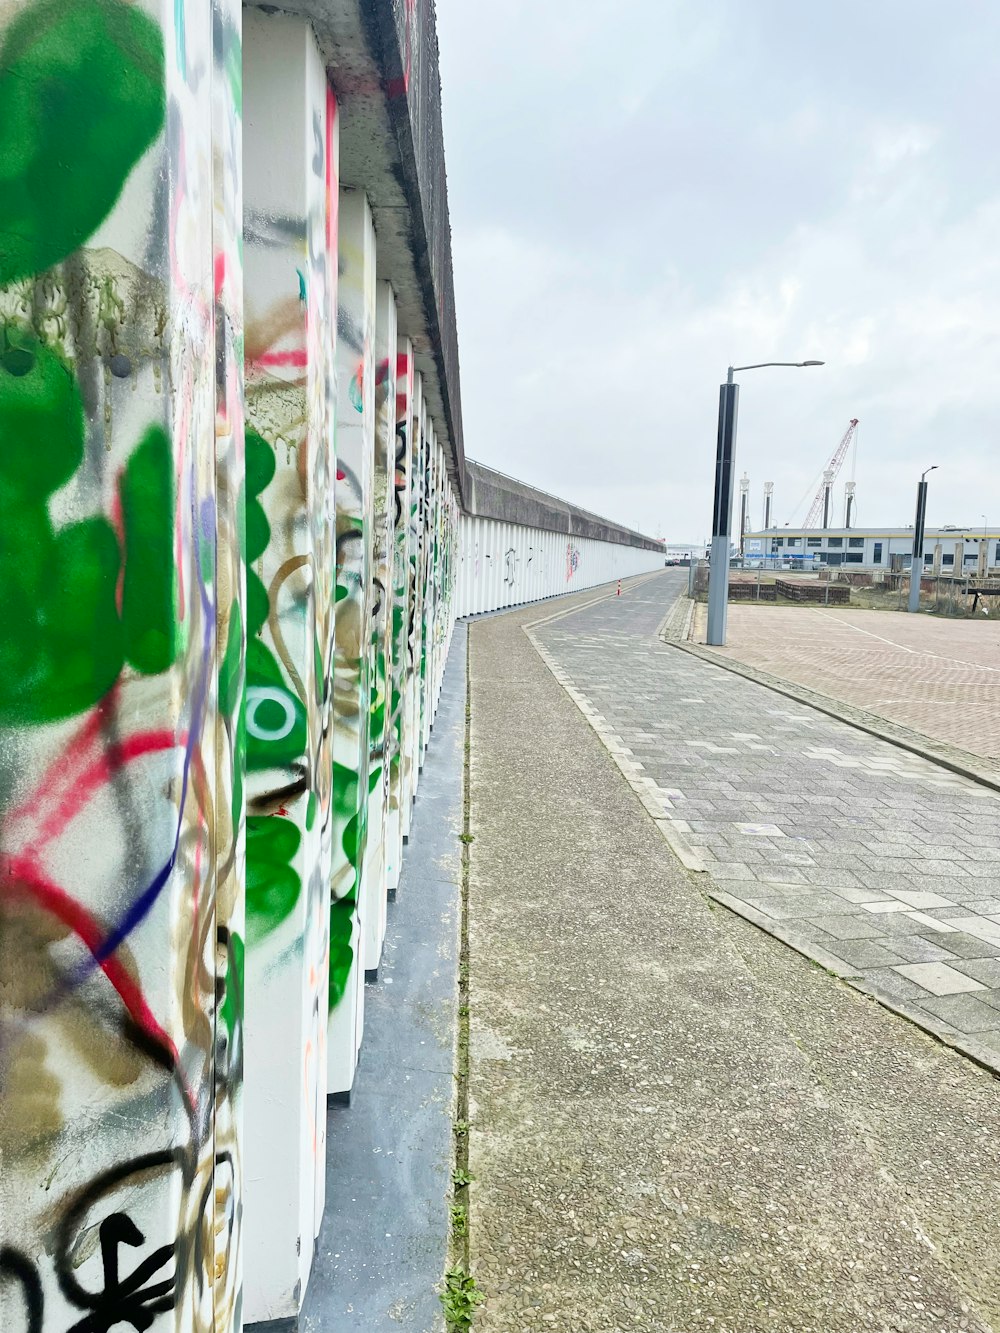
[355, 603]
[504, 564]
[231, 558]
[415, 548]
[373, 906]
[400, 619]
[230, 614]
[120, 952]
[290, 221]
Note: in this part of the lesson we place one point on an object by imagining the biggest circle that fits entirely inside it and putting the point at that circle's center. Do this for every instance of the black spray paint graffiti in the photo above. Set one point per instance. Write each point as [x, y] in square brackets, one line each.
[125, 1300]
[14, 1266]
[132, 1297]
[510, 567]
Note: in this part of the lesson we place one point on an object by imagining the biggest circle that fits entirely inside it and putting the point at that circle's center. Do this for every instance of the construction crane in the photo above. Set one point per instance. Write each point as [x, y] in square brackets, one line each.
[821, 505]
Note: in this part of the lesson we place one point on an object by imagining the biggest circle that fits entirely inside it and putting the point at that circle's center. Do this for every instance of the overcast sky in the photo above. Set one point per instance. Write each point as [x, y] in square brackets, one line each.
[642, 192]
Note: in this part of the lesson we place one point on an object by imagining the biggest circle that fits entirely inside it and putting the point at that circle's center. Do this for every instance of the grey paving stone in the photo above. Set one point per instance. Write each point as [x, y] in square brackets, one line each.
[876, 878]
[965, 946]
[967, 1013]
[784, 875]
[984, 854]
[921, 900]
[916, 949]
[837, 857]
[730, 870]
[939, 978]
[856, 927]
[787, 906]
[831, 876]
[986, 970]
[904, 923]
[863, 953]
[985, 902]
[890, 983]
[983, 869]
[942, 852]
[939, 869]
[858, 896]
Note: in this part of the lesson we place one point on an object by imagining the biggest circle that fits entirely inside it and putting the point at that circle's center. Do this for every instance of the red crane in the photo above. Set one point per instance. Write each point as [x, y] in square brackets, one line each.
[820, 500]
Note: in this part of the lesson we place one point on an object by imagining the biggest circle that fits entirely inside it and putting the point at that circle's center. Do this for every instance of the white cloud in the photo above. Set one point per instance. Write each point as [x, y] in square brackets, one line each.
[623, 231]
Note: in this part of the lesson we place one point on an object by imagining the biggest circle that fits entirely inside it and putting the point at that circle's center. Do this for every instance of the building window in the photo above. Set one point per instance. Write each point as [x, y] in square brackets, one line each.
[779, 541]
[856, 542]
[928, 559]
[996, 558]
[970, 559]
[793, 541]
[814, 541]
[834, 558]
[835, 542]
[947, 560]
[853, 557]
[877, 553]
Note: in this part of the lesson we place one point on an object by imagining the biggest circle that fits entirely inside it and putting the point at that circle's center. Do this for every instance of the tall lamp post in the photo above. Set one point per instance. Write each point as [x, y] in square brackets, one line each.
[917, 559]
[985, 561]
[722, 513]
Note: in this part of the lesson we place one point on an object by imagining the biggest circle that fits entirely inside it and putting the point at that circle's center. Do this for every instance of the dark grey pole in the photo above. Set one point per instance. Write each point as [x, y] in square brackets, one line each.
[917, 559]
[722, 513]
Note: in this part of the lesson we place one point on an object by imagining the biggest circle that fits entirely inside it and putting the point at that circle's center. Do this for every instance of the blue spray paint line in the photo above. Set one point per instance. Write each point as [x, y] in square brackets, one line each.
[143, 905]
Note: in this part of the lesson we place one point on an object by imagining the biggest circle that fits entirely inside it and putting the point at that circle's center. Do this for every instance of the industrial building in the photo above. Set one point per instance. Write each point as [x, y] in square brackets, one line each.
[948, 550]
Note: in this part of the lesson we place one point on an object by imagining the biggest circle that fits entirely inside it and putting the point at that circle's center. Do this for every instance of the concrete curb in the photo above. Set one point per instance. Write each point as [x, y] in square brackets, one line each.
[824, 703]
[940, 1032]
[672, 830]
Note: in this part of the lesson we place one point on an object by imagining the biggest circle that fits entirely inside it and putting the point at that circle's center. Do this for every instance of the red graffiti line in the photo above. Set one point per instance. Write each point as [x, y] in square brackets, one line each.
[296, 356]
[81, 769]
[24, 879]
[61, 795]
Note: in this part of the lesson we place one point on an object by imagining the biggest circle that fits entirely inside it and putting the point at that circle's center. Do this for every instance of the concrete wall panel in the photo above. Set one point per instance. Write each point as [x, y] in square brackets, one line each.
[400, 609]
[112, 983]
[502, 565]
[373, 908]
[352, 675]
[290, 170]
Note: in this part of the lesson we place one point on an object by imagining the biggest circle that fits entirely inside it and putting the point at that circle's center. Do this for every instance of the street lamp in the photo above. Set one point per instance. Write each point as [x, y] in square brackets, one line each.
[917, 559]
[722, 516]
[986, 546]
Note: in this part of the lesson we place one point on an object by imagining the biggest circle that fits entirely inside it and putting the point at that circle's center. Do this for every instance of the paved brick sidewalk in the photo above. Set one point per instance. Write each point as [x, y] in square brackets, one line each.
[940, 677]
[877, 863]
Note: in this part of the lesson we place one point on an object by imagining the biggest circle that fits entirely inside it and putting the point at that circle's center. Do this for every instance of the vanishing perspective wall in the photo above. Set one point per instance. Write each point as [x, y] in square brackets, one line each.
[121, 947]
[505, 564]
[232, 552]
[290, 224]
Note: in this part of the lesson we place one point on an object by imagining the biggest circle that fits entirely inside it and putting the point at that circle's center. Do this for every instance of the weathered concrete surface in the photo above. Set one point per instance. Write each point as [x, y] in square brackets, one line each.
[677, 1124]
[492, 494]
[382, 62]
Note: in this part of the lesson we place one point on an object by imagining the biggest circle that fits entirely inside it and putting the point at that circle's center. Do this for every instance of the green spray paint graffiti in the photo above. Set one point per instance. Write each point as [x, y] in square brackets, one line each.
[273, 885]
[81, 99]
[63, 641]
[276, 717]
[275, 724]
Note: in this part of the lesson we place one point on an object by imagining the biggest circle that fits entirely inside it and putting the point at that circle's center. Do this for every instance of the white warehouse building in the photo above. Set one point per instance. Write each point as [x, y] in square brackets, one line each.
[948, 550]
